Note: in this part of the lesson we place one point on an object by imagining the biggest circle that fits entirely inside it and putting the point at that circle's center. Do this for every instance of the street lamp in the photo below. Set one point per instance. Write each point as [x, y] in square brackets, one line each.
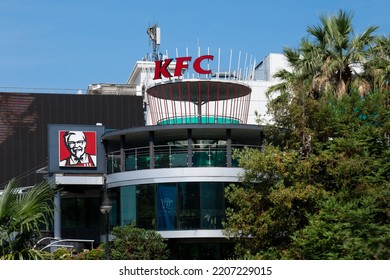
[105, 208]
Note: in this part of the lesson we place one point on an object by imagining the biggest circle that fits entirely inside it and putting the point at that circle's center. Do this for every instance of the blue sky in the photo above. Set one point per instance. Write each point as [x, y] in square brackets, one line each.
[72, 43]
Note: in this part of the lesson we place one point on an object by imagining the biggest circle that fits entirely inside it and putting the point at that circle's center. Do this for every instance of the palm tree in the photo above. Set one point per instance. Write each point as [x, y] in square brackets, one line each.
[377, 70]
[21, 217]
[331, 57]
[289, 105]
[342, 52]
[329, 60]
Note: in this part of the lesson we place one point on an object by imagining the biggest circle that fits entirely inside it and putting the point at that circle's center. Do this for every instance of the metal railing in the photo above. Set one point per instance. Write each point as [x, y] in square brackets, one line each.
[170, 156]
[43, 90]
[61, 243]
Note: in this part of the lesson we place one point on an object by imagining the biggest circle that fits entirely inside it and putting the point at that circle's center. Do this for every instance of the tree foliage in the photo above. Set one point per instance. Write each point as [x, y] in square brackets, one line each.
[132, 243]
[129, 243]
[21, 217]
[346, 228]
[324, 192]
[63, 253]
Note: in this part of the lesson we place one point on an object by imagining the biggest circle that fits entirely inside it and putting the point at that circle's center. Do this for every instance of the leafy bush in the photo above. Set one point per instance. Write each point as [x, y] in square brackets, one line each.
[133, 243]
[94, 254]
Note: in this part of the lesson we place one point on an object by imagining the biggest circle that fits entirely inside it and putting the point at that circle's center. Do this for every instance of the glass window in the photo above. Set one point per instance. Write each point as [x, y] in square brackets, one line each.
[113, 164]
[143, 161]
[162, 159]
[114, 195]
[146, 210]
[80, 217]
[209, 153]
[188, 206]
[80, 212]
[212, 205]
[130, 163]
[175, 206]
[179, 159]
[128, 205]
[166, 206]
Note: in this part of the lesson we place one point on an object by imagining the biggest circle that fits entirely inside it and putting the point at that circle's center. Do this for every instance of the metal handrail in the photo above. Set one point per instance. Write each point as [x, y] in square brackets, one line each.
[145, 149]
[170, 151]
[57, 241]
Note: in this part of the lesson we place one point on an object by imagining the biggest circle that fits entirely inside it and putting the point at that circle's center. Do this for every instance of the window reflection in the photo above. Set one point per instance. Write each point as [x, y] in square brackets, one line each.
[188, 206]
[146, 210]
[178, 206]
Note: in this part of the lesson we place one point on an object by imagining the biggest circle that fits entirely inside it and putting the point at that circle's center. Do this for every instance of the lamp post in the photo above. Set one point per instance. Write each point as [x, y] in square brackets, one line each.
[105, 209]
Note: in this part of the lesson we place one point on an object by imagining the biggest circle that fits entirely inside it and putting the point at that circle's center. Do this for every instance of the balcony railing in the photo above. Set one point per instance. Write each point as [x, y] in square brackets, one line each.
[170, 156]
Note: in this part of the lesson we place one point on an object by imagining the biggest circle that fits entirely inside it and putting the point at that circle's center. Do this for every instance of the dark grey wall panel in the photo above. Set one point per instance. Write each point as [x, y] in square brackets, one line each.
[24, 120]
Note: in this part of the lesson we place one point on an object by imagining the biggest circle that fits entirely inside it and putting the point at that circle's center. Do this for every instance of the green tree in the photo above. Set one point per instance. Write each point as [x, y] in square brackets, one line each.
[280, 190]
[131, 243]
[330, 57]
[327, 62]
[288, 201]
[377, 68]
[21, 217]
[345, 228]
[327, 181]
[70, 254]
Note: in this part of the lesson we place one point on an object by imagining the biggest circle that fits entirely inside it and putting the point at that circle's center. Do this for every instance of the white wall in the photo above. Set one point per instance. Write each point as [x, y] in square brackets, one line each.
[269, 66]
[264, 72]
[258, 101]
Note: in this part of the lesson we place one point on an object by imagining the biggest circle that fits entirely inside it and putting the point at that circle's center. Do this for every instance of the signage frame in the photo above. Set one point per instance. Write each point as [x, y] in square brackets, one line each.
[59, 152]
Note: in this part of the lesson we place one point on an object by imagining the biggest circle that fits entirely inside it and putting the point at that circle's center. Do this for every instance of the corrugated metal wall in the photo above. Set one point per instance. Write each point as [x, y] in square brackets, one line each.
[24, 119]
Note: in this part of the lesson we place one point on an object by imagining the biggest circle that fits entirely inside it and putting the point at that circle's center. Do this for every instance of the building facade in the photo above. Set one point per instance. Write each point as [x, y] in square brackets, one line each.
[24, 120]
[24, 148]
[171, 174]
[167, 137]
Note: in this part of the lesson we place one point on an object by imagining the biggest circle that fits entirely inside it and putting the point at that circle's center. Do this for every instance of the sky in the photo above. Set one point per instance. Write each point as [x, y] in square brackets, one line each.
[69, 44]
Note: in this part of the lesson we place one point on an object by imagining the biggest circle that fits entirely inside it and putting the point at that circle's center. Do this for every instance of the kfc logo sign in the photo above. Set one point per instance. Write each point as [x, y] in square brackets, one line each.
[161, 69]
[77, 148]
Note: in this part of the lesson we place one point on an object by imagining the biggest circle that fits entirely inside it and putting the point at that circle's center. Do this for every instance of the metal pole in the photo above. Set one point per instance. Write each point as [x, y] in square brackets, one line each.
[105, 209]
[107, 235]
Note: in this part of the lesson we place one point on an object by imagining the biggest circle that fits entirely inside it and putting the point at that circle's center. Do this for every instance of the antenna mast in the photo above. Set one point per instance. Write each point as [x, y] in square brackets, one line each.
[155, 36]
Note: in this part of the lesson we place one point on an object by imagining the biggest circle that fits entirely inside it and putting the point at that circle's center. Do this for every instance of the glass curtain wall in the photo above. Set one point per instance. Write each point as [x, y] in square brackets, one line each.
[171, 206]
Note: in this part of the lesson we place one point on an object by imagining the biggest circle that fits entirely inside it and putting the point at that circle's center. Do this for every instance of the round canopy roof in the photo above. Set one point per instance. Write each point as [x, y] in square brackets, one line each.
[197, 91]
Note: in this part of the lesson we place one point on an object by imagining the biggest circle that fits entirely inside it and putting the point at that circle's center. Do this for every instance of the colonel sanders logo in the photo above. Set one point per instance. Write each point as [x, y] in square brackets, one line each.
[77, 148]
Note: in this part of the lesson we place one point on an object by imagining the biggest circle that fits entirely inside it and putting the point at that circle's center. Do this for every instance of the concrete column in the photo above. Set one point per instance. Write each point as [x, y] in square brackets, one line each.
[57, 215]
[229, 148]
[123, 157]
[189, 147]
[151, 149]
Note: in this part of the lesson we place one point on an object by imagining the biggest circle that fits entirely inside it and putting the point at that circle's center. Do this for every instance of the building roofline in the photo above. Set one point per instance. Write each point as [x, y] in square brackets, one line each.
[113, 134]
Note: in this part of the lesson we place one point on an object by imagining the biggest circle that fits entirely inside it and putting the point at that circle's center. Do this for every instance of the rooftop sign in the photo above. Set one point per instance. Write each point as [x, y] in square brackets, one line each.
[161, 69]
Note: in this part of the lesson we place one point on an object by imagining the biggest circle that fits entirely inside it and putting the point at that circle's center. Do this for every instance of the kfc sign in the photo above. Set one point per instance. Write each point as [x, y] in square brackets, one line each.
[76, 149]
[161, 69]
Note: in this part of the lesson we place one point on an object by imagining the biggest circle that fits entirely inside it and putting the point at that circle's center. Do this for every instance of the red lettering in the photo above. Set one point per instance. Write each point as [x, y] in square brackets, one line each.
[162, 69]
[198, 61]
[180, 65]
